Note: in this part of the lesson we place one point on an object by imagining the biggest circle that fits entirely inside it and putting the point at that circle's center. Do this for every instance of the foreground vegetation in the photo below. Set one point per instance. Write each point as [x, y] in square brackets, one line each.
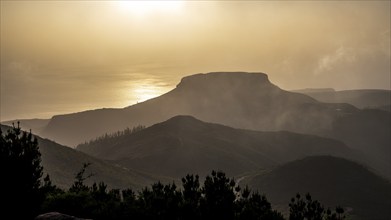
[25, 195]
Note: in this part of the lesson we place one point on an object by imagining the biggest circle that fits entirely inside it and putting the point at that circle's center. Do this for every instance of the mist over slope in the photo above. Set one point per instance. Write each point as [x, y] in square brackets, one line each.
[62, 163]
[361, 98]
[184, 145]
[333, 181]
[368, 131]
[237, 99]
[36, 125]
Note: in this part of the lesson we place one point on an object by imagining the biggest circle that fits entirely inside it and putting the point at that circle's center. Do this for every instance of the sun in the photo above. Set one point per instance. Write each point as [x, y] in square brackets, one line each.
[143, 8]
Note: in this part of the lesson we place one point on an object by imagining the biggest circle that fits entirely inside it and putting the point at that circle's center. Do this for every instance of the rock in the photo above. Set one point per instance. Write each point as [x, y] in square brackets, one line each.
[56, 216]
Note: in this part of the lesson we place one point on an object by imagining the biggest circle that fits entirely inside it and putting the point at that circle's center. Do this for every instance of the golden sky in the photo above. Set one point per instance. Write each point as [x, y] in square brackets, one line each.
[67, 56]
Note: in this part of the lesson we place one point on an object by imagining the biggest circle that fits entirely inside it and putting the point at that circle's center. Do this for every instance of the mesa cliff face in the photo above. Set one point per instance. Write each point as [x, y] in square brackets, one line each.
[228, 80]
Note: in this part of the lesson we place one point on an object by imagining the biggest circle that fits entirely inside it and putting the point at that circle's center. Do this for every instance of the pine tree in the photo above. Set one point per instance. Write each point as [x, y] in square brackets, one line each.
[21, 170]
[79, 185]
[191, 197]
[219, 196]
[308, 209]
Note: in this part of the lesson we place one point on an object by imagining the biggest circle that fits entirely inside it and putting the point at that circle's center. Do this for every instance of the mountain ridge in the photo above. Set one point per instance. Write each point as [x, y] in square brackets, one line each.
[361, 98]
[174, 146]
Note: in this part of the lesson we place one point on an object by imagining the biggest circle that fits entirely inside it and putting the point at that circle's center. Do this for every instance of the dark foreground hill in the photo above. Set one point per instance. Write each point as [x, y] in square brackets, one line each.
[368, 131]
[333, 181]
[184, 145]
[62, 163]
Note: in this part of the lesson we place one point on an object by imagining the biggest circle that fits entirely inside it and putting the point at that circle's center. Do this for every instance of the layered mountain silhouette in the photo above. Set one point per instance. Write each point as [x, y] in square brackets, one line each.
[239, 99]
[183, 145]
[333, 181]
[62, 163]
[242, 124]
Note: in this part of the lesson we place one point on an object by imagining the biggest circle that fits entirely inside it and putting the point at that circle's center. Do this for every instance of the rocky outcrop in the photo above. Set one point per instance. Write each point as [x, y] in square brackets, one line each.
[57, 216]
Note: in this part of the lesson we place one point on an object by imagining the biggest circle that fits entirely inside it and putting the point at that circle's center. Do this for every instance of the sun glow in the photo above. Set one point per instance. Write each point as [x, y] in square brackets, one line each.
[145, 92]
[143, 8]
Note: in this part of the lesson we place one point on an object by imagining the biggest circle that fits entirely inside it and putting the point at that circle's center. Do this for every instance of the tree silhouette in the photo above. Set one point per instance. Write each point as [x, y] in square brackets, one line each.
[21, 170]
[48, 188]
[160, 202]
[309, 209]
[79, 185]
[305, 209]
[191, 197]
[255, 206]
[219, 197]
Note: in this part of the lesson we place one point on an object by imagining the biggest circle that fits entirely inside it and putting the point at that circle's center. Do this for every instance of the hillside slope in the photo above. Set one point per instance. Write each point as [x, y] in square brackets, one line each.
[368, 131]
[62, 163]
[333, 181]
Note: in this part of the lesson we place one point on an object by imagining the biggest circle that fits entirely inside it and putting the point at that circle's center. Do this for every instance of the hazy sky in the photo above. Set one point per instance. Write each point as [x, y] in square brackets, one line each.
[59, 57]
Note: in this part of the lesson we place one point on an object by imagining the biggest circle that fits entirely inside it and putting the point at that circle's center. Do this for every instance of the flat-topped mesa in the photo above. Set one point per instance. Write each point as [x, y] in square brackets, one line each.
[224, 79]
